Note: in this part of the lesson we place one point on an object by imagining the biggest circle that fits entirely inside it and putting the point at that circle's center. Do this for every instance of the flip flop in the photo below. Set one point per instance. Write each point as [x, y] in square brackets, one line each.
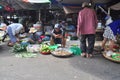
[10, 44]
[89, 56]
[83, 54]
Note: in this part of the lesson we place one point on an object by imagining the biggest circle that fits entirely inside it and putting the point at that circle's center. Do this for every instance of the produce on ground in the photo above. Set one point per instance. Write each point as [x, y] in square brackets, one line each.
[44, 48]
[19, 47]
[62, 52]
[25, 55]
[116, 57]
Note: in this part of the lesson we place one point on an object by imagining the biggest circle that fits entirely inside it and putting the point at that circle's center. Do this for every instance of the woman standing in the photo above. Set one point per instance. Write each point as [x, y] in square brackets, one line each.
[86, 27]
[110, 34]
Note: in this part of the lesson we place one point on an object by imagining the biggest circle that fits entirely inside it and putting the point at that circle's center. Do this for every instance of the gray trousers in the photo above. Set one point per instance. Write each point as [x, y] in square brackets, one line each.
[90, 39]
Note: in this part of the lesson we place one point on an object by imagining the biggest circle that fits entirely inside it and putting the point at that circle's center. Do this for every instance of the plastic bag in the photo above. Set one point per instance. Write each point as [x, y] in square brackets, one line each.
[33, 48]
[53, 47]
[75, 50]
[108, 21]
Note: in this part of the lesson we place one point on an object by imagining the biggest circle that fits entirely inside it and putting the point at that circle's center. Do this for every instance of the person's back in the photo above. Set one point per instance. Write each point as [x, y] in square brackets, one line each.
[88, 21]
[16, 27]
[86, 27]
[13, 31]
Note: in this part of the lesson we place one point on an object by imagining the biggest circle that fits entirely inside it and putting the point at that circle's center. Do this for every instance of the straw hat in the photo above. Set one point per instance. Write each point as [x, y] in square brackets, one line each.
[37, 25]
[32, 30]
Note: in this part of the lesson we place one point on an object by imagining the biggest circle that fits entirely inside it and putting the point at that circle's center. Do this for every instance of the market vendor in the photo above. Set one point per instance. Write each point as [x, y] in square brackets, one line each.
[110, 34]
[39, 29]
[57, 36]
[34, 37]
[13, 31]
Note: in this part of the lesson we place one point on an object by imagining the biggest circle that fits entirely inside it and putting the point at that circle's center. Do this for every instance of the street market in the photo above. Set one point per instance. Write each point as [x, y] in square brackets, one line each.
[32, 29]
[25, 46]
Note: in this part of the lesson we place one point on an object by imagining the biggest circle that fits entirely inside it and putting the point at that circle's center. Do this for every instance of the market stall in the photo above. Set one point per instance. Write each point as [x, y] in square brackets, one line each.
[26, 50]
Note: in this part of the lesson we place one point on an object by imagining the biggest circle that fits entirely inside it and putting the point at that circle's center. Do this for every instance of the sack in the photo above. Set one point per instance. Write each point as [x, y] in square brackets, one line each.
[109, 21]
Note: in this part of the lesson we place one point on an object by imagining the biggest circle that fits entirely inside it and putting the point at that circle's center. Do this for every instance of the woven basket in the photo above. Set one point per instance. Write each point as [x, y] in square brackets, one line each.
[45, 53]
[110, 58]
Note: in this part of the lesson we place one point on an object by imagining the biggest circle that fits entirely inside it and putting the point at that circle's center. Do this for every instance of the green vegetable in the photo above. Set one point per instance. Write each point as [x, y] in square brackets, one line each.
[44, 48]
[25, 55]
[19, 48]
[116, 57]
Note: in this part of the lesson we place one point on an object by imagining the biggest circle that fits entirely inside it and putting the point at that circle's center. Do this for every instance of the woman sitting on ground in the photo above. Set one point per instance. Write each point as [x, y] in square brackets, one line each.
[34, 37]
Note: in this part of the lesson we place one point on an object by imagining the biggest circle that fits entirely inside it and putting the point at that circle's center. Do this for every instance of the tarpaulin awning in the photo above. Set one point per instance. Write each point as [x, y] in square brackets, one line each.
[69, 10]
[115, 7]
[18, 5]
[80, 1]
[22, 5]
[73, 6]
[37, 1]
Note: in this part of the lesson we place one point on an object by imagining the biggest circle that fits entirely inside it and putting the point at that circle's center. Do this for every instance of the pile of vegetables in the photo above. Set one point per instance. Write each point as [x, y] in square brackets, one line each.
[25, 55]
[19, 48]
[116, 57]
[20, 51]
[44, 48]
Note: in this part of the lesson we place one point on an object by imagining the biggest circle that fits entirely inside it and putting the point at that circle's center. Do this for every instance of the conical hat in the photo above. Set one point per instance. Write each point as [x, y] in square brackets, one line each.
[32, 30]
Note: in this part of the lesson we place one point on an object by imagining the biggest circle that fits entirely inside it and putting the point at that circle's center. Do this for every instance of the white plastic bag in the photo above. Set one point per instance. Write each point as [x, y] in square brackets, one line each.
[33, 48]
[109, 20]
[109, 53]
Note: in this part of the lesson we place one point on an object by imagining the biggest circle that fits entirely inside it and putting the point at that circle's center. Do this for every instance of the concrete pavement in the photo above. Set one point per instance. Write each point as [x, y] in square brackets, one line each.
[48, 67]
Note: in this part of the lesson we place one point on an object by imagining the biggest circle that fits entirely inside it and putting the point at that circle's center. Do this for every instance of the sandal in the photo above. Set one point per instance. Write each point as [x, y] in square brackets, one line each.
[83, 54]
[10, 44]
[89, 55]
